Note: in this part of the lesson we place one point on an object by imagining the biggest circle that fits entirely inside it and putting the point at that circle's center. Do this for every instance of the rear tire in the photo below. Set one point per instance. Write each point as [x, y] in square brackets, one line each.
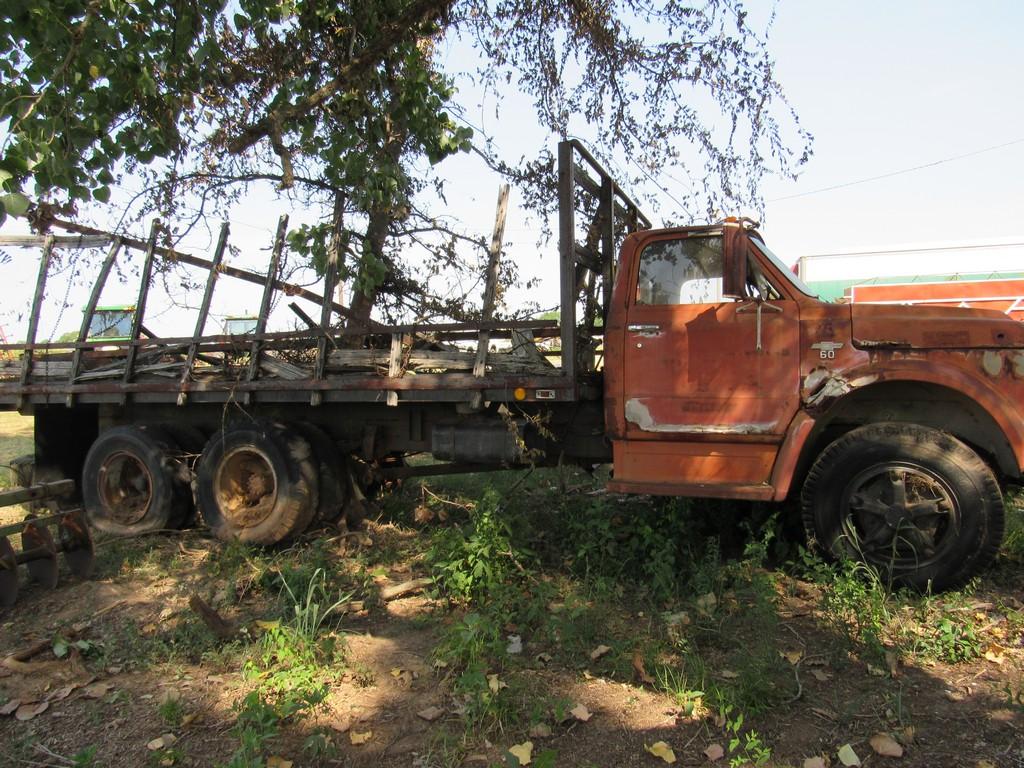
[333, 489]
[256, 482]
[132, 483]
[917, 504]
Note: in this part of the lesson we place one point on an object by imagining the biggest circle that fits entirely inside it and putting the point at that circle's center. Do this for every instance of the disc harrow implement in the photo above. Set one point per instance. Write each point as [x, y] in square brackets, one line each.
[39, 547]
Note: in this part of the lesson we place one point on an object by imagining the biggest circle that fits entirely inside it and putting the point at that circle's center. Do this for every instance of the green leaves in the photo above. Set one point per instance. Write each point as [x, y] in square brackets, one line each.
[15, 203]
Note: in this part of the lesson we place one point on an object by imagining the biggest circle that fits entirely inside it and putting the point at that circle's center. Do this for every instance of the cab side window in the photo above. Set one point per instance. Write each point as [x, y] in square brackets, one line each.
[683, 271]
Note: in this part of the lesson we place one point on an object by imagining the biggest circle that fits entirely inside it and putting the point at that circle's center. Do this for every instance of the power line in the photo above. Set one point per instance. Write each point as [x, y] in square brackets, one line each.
[900, 172]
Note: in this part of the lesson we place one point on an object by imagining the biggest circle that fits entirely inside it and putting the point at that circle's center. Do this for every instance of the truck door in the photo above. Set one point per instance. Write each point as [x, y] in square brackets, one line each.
[697, 363]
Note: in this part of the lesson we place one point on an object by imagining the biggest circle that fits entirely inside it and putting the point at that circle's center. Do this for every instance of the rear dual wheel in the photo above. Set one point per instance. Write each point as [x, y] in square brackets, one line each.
[916, 504]
[132, 482]
[257, 482]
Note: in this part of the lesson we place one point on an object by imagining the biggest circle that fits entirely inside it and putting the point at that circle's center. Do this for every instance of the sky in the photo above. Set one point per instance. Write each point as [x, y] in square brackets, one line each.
[884, 87]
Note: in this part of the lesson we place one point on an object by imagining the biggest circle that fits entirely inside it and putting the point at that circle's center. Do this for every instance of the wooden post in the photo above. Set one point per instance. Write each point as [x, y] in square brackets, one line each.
[89, 311]
[607, 246]
[33, 318]
[256, 350]
[140, 306]
[204, 311]
[567, 256]
[330, 281]
[490, 288]
[395, 365]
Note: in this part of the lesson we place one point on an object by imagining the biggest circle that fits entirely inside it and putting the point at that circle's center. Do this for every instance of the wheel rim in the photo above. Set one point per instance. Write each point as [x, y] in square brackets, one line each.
[246, 487]
[900, 516]
[125, 488]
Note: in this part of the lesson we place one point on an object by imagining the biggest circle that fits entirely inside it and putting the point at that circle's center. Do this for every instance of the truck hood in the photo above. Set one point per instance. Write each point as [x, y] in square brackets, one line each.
[896, 326]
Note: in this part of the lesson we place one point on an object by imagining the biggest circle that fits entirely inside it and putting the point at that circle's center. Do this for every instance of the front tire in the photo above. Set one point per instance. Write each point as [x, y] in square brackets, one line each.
[917, 504]
[256, 482]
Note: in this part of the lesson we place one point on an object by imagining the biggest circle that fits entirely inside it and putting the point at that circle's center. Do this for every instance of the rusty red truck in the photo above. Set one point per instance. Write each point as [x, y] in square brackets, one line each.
[691, 359]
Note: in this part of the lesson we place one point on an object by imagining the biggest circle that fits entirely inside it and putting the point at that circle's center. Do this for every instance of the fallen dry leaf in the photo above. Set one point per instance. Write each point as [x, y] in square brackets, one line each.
[495, 684]
[662, 750]
[815, 762]
[641, 670]
[886, 746]
[274, 761]
[598, 652]
[61, 693]
[97, 690]
[847, 756]
[540, 731]
[358, 738]
[543, 658]
[892, 661]
[430, 714]
[161, 742]
[28, 711]
[793, 657]
[515, 645]
[984, 764]
[268, 625]
[10, 707]
[581, 713]
[522, 752]
[876, 671]
[714, 752]
[821, 675]
[728, 674]
[995, 656]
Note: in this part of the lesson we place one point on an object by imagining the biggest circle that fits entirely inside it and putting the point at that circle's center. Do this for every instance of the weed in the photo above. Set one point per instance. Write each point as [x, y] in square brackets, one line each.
[85, 758]
[745, 748]
[675, 683]
[468, 565]
[951, 640]
[487, 704]
[855, 603]
[309, 609]
[166, 757]
[171, 711]
[260, 718]
[320, 747]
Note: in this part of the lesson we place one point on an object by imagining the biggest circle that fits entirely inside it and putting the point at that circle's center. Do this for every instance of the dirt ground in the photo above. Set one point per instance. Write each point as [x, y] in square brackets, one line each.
[148, 684]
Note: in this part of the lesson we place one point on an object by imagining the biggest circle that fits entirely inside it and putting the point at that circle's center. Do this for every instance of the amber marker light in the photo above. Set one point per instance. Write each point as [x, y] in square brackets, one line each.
[519, 393]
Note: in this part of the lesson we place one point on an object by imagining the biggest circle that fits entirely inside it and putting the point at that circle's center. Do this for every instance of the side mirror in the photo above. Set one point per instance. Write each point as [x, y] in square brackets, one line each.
[734, 261]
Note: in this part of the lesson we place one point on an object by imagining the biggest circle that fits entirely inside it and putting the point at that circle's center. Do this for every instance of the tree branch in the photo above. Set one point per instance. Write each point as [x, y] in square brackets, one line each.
[405, 27]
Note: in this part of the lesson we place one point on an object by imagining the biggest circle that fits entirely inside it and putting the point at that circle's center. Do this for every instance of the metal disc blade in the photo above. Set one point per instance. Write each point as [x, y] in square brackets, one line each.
[43, 568]
[76, 542]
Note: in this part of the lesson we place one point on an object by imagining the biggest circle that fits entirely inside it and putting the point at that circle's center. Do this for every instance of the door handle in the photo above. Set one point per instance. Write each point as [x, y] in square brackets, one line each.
[643, 327]
[759, 306]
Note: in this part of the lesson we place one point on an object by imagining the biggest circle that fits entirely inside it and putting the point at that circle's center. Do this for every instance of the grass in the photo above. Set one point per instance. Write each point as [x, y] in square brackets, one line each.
[690, 588]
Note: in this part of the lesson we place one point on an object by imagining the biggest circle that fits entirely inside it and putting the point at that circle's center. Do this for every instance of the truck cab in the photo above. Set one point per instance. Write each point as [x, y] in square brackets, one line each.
[726, 377]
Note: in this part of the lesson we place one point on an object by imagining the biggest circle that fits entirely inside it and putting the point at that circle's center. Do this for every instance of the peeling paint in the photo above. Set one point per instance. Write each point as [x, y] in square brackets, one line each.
[992, 363]
[822, 385]
[880, 343]
[863, 381]
[815, 379]
[1018, 365]
[639, 414]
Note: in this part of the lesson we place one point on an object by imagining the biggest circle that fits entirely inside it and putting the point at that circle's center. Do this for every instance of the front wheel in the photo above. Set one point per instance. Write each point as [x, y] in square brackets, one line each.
[917, 504]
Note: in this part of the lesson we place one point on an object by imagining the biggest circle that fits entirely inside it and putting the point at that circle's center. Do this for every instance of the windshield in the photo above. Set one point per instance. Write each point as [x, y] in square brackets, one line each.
[790, 275]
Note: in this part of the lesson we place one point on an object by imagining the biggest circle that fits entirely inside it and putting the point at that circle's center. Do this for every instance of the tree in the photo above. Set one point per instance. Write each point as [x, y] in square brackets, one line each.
[336, 103]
